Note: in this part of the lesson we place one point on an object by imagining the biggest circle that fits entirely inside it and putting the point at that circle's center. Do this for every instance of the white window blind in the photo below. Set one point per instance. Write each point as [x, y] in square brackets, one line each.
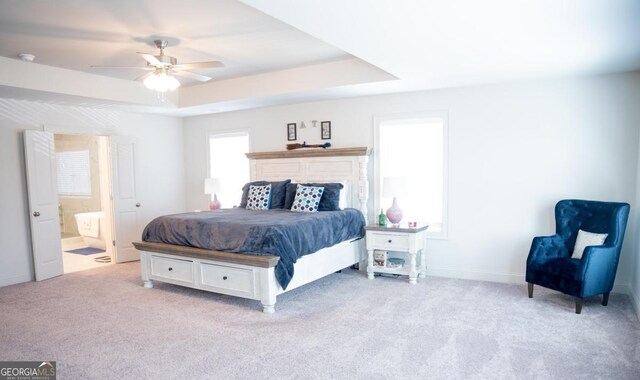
[74, 173]
[229, 164]
[414, 148]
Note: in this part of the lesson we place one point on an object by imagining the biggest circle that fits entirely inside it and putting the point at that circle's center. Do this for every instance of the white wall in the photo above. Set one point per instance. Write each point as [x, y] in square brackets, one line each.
[634, 220]
[515, 149]
[160, 181]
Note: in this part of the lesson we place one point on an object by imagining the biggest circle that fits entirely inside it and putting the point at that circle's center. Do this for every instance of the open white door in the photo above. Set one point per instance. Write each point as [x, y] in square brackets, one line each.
[126, 206]
[42, 185]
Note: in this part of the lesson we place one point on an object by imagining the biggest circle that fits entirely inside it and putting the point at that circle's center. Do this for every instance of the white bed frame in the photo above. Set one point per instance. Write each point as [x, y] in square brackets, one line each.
[253, 277]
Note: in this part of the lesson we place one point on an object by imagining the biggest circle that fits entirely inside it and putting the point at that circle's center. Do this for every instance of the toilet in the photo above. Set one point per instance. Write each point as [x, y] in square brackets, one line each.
[91, 228]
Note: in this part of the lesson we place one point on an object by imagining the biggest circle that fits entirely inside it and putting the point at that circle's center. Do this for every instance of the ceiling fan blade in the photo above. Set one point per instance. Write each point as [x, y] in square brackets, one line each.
[199, 65]
[190, 75]
[146, 68]
[151, 59]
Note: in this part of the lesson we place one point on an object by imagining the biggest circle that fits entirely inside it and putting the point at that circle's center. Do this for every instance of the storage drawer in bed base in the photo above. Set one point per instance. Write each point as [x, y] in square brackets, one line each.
[174, 270]
[232, 279]
[228, 280]
[245, 276]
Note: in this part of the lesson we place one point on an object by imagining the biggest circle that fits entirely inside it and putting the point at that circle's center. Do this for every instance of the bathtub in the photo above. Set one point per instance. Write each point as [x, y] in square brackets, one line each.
[91, 228]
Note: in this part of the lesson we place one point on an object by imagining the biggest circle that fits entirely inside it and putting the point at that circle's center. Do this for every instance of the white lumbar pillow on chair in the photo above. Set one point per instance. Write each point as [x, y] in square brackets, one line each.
[586, 239]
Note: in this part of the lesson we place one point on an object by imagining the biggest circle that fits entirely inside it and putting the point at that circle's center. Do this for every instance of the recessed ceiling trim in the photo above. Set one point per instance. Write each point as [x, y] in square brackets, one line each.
[346, 72]
[49, 79]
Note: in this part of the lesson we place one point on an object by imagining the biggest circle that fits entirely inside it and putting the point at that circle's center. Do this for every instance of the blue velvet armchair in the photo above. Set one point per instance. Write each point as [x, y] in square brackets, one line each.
[550, 265]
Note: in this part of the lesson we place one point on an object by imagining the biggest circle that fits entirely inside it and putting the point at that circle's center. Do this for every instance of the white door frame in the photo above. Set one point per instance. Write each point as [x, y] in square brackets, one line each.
[109, 173]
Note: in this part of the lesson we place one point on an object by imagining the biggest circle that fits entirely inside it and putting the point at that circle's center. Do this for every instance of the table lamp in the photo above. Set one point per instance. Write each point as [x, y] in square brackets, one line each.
[394, 187]
[212, 186]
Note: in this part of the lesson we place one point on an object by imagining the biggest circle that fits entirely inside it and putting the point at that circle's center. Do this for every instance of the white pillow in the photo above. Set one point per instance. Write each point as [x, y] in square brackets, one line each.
[586, 239]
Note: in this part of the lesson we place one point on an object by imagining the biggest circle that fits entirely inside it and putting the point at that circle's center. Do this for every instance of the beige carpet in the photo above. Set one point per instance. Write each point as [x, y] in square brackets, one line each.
[102, 324]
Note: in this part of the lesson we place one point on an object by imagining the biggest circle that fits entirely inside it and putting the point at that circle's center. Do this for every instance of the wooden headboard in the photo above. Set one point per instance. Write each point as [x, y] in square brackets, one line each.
[346, 165]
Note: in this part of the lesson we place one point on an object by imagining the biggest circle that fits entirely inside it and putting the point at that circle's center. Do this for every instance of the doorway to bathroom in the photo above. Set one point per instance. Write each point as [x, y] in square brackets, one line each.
[83, 184]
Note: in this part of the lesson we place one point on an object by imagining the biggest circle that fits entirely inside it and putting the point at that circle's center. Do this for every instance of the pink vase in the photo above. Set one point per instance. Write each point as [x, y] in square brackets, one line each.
[394, 213]
[215, 203]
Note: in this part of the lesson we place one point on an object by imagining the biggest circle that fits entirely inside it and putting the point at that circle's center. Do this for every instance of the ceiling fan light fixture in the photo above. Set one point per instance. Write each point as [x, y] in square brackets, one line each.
[161, 69]
[26, 57]
[161, 81]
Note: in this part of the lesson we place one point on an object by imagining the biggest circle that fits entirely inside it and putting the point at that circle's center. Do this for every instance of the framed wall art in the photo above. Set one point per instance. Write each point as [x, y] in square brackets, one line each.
[292, 134]
[325, 130]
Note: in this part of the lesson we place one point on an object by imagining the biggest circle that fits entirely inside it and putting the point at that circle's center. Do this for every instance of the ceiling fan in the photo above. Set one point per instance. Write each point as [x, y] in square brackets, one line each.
[162, 68]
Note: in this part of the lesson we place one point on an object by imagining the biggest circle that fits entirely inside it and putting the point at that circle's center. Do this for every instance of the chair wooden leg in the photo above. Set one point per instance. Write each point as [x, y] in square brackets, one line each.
[605, 299]
[530, 289]
[579, 303]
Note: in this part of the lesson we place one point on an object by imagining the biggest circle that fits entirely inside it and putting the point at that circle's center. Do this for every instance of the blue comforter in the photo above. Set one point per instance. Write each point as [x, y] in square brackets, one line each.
[277, 232]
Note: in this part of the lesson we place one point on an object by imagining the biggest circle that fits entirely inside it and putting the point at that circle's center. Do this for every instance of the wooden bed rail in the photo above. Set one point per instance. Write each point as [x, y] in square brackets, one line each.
[227, 257]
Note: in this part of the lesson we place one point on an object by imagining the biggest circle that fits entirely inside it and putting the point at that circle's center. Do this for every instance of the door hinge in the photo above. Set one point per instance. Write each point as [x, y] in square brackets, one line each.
[113, 242]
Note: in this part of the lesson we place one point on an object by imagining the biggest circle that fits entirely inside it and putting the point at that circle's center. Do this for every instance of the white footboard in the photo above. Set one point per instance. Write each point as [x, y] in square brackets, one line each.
[245, 276]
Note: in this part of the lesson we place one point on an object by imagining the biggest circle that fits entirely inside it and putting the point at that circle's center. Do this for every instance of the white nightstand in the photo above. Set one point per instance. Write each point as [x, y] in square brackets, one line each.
[410, 240]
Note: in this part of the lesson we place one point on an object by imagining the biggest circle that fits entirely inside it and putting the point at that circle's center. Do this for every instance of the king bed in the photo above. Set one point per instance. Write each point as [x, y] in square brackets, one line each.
[261, 254]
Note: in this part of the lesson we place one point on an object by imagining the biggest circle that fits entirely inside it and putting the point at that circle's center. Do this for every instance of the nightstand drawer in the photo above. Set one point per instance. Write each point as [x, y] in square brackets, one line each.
[387, 241]
[227, 279]
[172, 269]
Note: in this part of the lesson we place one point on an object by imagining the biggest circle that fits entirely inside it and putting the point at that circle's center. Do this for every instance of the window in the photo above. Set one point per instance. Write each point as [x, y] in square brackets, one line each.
[228, 163]
[414, 147]
[74, 174]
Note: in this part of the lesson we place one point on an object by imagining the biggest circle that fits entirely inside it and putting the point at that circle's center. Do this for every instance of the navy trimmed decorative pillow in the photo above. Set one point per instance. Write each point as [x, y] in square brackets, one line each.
[307, 198]
[278, 191]
[330, 197]
[259, 197]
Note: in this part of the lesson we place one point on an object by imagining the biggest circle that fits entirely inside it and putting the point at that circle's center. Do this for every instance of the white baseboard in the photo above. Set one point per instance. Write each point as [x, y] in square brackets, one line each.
[508, 278]
[14, 280]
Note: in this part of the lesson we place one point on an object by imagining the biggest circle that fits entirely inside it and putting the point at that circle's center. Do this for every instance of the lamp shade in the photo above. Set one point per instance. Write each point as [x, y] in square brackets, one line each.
[212, 185]
[394, 186]
[161, 81]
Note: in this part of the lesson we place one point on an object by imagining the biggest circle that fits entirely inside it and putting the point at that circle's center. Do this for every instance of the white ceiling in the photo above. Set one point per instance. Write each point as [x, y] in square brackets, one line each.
[78, 34]
[281, 51]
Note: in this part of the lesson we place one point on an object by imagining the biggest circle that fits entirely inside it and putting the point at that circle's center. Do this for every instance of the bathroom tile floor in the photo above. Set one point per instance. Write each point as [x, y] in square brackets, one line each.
[75, 263]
